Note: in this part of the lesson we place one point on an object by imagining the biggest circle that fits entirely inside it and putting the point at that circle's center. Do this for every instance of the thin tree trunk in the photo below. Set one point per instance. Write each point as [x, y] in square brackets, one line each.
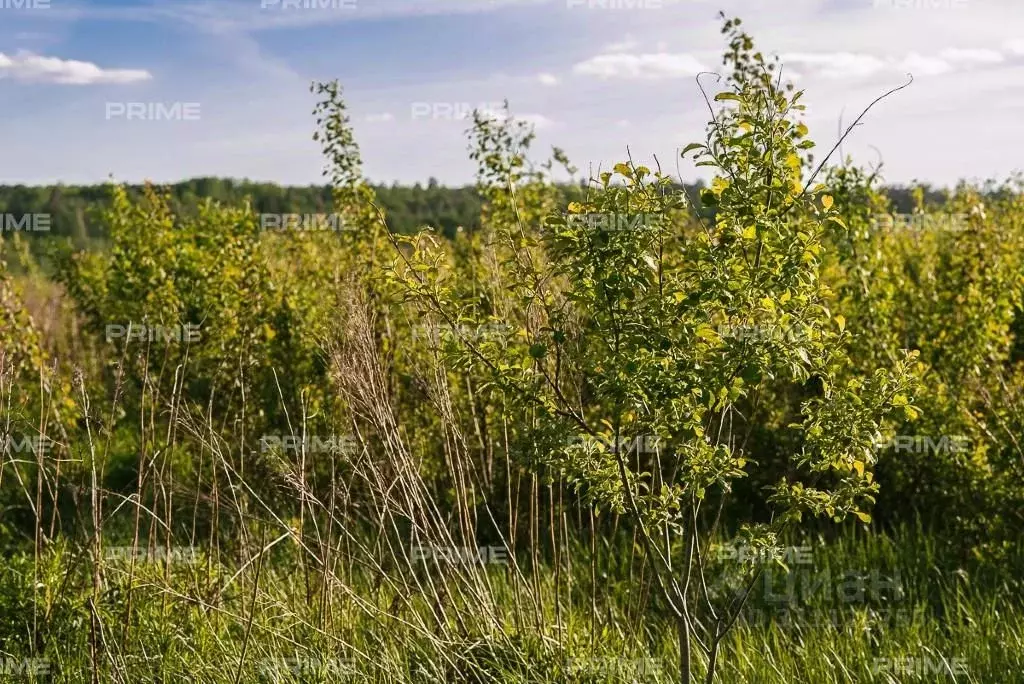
[684, 649]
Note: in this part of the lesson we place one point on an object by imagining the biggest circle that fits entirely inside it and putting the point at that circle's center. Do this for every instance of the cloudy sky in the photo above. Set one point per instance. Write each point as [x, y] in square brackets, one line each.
[594, 76]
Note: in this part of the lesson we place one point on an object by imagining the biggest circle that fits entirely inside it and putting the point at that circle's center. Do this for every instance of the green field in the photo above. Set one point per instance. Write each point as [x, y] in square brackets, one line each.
[762, 430]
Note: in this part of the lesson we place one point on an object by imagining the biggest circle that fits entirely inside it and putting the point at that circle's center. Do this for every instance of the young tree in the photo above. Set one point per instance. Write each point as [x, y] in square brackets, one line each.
[643, 345]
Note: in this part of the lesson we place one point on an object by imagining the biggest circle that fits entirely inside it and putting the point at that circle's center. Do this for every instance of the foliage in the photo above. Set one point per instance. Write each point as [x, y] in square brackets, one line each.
[605, 383]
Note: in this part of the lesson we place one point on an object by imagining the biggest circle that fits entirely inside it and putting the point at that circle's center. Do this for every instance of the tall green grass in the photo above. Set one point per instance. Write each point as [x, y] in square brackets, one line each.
[194, 619]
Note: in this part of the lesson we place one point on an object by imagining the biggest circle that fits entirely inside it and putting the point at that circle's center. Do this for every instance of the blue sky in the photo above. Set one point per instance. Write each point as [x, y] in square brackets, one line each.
[593, 76]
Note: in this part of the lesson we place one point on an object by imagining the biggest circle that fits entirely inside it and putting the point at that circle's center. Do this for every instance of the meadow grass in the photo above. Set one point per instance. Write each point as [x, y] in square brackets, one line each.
[193, 618]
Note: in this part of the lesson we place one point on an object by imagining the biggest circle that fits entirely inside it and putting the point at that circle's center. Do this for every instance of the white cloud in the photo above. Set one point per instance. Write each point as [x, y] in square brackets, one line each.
[548, 79]
[977, 56]
[538, 121]
[921, 64]
[627, 44]
[837, 64]
[1015, 46]
[26, 66]
[378, 118]
[841, 65]
[644, 66]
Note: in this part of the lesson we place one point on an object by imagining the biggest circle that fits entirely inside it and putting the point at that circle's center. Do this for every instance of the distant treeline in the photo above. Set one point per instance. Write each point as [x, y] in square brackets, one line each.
[71, 208]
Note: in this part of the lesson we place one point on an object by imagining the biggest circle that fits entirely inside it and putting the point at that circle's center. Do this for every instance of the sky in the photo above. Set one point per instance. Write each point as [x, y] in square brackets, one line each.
[167, 90]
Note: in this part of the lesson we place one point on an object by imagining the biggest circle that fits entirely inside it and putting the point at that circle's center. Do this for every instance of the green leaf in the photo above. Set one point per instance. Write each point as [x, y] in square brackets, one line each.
[706, 332]
[864, 517]
[727, 96]
[708, 197]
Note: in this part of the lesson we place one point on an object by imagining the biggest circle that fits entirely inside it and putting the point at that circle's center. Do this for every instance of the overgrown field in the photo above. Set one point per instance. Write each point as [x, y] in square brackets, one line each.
[767, 430]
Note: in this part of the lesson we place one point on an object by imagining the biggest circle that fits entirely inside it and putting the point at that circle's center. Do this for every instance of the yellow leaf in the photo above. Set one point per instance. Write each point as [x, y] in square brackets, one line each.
[859, 467]
[841, 320]
[706, 332]
[826, 201]
[864, 517]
